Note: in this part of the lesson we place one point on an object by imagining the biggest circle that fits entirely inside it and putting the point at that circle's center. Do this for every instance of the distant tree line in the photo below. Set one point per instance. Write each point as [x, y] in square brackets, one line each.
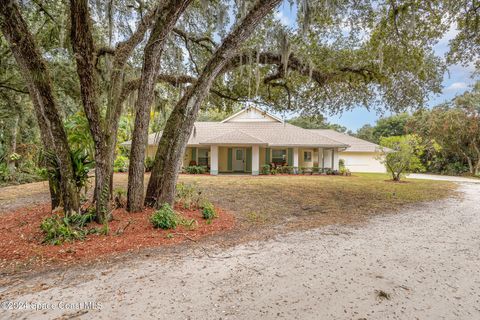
[448, 135]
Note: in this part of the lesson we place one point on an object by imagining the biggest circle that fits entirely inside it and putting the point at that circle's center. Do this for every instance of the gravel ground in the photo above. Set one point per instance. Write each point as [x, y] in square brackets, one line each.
[419, 264]
[442, 178]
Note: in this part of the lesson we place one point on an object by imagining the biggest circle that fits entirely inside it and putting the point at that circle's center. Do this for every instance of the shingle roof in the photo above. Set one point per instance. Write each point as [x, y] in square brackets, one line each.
[234, 137]
[268, 133]
[356, 144]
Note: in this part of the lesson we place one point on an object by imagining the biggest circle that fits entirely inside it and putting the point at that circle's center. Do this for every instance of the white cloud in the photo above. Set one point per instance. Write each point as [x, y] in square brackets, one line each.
[443, 45]
[279, 15]
[456, 86]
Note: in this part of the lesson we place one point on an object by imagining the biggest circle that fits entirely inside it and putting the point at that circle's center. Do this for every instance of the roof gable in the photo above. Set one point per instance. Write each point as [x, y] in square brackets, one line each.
[252, 114]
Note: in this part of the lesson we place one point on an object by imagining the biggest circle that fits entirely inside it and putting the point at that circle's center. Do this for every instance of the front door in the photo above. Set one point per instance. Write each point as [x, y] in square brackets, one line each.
[238, 159]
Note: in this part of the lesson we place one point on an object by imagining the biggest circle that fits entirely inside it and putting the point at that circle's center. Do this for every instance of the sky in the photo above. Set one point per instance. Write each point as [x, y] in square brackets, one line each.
[456, 81]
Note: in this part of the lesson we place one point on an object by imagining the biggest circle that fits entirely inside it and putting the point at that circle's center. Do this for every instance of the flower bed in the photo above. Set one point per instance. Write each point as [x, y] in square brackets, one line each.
[21, 239]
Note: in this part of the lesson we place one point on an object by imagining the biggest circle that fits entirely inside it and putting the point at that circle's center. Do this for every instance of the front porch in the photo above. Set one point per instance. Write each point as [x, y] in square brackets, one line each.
[252, 158]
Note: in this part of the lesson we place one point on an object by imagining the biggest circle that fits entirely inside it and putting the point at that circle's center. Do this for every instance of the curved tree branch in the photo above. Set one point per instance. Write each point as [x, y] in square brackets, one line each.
[266, 58]
[7, 87]
[201, 41]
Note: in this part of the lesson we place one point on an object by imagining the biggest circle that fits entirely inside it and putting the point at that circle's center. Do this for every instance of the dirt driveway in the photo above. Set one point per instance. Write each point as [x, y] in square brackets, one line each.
[422, 263]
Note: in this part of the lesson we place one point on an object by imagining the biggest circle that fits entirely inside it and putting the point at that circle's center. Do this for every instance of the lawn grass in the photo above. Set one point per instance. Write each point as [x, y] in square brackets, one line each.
[320, 199]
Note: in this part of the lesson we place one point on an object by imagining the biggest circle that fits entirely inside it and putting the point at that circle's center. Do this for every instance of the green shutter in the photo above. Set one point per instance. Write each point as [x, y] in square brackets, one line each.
[194, 154]
[249, 159]
[267, 156]
[290, 157]
[229, 163]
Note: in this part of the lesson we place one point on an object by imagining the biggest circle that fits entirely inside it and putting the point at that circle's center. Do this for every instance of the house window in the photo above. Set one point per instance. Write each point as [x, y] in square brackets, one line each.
[203, 157]
[279, 156]
[307, 156]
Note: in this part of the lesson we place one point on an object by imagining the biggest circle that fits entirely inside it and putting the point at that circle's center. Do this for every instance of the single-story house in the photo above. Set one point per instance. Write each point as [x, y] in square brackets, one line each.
[360, 156]
[251, 138]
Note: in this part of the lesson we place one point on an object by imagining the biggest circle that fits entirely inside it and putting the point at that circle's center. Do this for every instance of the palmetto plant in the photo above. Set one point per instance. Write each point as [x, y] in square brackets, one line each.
[79, 137]
[81, 166]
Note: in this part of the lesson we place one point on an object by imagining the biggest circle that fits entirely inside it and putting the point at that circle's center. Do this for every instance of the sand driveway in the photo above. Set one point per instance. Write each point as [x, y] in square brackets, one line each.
[422, 263]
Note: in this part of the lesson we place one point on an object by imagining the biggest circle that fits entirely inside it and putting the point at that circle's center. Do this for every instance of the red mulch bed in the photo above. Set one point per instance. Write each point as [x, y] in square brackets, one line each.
[21, 238]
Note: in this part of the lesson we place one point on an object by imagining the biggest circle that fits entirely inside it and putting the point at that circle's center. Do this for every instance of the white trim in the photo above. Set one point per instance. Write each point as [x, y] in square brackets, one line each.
[295, 157]
[214, 160]
[255, 160]
[306, 145]
[252, 107]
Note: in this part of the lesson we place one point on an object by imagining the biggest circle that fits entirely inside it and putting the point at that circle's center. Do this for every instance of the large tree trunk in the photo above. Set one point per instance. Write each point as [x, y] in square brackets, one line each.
[161, 186]
[470, 165]
[151, 64]
[477, 151]
[84, 48]
[104, 132]
[34, 70]
[12, 163]
[47, 141]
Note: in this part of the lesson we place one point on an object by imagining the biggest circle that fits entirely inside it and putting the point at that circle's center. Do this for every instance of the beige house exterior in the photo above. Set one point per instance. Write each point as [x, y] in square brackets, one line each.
[252, 138]
[360, 156]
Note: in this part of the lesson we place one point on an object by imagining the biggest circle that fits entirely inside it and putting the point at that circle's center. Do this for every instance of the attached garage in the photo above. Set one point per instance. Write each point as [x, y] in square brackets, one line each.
[362, 161]
[361, 156]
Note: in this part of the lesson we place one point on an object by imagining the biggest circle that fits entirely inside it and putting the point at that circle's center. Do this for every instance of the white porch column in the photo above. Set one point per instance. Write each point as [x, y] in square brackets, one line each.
[327, 158]
[320, 159]
[336, 164]
[214, 160]
[295, 160]
[255, 160]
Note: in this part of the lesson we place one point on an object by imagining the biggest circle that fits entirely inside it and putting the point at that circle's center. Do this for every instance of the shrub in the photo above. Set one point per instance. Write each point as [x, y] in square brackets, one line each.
[120, 164]
[4, 172]
[285, 169]
[208, 210]
[455, 168]
[329, 171]
[307, 170]
[195, 169]
[345, 172]
[119, 198]
[265, 169]
[187, 195]
[165, 218]
[58, 229]
[341, 163]
[149, 164]
[401, 154]
[24, 172]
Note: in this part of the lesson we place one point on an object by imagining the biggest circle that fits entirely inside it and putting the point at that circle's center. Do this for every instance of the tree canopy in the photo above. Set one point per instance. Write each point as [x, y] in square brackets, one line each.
[120, 64]
[315, 122]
